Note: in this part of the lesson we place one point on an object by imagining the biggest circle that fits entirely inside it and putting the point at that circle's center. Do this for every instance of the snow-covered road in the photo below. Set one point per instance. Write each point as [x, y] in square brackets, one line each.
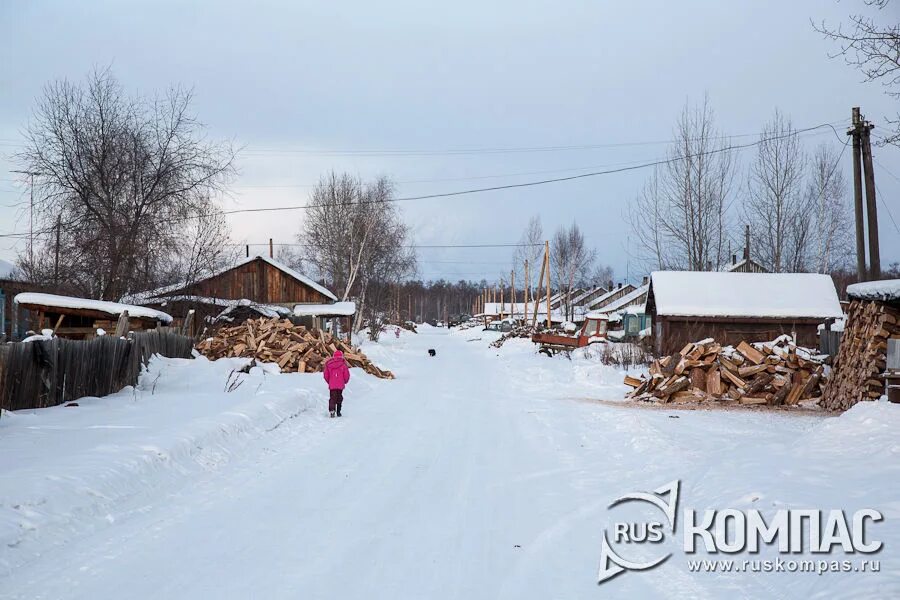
[475, 474]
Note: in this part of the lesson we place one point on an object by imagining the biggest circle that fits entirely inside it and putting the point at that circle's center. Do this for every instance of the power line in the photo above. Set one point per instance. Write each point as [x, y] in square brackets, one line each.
[644, 165]
[263, 151]
[298, 245]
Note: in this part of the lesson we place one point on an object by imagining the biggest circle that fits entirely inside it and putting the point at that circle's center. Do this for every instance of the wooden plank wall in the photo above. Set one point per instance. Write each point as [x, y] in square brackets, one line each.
[46, 373]
[257, 281]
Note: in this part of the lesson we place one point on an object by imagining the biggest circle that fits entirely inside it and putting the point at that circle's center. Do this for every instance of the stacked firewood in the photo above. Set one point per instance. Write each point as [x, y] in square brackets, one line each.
[294, 348]
[773, 373]
[862, 356]
[519, 331]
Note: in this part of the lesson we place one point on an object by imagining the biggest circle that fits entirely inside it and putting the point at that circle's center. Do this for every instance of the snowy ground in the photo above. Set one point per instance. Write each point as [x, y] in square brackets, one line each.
[479, 473]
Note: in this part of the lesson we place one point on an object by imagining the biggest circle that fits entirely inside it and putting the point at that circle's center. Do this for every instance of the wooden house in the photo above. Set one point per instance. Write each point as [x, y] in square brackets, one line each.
[81, 318]
[686, 306]
[256, 286]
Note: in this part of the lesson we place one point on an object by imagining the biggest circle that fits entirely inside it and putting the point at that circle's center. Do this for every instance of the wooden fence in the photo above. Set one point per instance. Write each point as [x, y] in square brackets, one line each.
[50, 372]
[829, 342]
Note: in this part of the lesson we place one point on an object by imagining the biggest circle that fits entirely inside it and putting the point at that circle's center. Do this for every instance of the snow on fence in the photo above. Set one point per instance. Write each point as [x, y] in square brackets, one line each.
[45, 373]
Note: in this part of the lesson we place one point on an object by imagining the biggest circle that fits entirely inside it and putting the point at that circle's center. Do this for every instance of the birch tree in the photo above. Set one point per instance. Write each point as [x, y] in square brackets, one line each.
[571, 261]
[680, 218]
[826, 191]
[354, 237]
[775, 206]
[531, 248]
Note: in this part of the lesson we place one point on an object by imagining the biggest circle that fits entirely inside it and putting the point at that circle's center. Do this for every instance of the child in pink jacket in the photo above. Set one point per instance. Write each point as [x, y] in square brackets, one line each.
[336, 374]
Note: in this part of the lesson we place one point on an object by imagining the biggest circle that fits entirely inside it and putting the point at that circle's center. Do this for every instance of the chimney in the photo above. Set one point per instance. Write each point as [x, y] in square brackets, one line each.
[734, 259]
[247, 248]
[620, 285]
[271, 249]
[645, 280]
[747, 243]
[610, 285]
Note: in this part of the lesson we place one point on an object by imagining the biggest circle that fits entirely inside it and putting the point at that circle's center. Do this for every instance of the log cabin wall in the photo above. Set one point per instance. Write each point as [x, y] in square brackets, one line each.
[672, 334]
[258, 281]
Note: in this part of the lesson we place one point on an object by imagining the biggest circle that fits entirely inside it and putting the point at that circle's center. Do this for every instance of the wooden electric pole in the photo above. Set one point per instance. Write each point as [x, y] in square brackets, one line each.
[864, 174]
[547, 264]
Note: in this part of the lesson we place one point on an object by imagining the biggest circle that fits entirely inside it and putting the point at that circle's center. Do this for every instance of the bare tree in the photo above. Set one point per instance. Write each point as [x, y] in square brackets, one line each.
[123, 178]
[775, 207]
[571, 262]
[355, 238]
[531, 248]
[873, 47]
[680, 219]
[826, 193]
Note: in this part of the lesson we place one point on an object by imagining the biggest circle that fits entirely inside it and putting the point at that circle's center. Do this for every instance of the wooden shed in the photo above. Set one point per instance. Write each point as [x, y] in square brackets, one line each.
[80, 318]
[257, 284]
[686, 306]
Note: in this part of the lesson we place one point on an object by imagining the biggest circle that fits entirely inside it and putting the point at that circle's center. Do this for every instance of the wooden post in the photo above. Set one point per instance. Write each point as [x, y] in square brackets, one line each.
[56, 258]
[547, 263]
[512, 294]
[122, 325]
[527, 282]
[188, 322]
[858, 196]
[502, 300]
[871, 205]
[58, 323]
[538, 295]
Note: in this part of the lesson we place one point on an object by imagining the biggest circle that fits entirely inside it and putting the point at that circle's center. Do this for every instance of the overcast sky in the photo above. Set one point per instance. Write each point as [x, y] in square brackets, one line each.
[306, 87]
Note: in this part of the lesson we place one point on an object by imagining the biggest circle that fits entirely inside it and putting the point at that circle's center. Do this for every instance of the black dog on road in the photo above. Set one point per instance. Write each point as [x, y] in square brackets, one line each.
[431, 352]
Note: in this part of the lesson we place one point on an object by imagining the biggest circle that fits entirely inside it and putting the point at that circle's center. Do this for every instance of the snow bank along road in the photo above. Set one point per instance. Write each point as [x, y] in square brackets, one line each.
[476, 474]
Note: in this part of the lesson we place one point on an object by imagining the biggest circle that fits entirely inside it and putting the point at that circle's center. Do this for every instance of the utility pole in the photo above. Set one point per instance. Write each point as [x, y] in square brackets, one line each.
[31, 216]
[863, 172]
[547, 264]
[526, 286]
[56, 254]
[512, 294]
[871, 206]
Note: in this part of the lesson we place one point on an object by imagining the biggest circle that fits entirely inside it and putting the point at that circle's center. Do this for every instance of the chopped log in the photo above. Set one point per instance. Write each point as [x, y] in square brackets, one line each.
[630, 381]
[751, 353]
[714, 382]
[698, 379]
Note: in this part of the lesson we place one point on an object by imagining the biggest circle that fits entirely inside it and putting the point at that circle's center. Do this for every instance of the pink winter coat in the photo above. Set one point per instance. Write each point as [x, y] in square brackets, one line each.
[336, 372]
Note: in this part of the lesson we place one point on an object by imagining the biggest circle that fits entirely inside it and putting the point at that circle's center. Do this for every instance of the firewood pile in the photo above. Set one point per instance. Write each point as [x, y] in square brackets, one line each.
[862, 357]
[294, 348]
[773, 373]
[520, 331]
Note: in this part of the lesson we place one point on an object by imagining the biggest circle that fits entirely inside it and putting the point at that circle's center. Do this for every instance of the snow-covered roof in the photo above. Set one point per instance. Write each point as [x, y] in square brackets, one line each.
[596, 314]
[886, 290]
[630, 298]
[340, 309]
[599, 301]
[725, 294]
[112, 308]
[148, 296]
[578, 299]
